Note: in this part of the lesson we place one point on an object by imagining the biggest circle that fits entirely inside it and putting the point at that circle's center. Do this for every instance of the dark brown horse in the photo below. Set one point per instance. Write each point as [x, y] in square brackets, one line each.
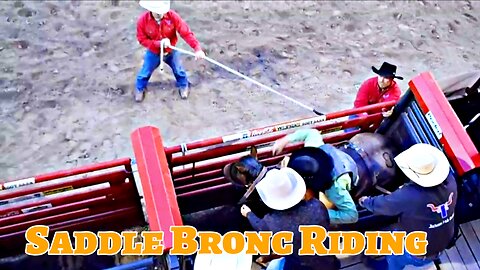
[372, 154]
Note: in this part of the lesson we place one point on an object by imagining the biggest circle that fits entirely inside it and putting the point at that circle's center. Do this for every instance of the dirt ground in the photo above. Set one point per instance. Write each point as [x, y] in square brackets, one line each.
[69, 67]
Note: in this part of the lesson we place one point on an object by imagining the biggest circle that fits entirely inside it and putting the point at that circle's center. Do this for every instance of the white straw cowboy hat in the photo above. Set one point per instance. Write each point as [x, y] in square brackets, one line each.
[240, 261]
[281, 189]
[159, 7]
[424, 164]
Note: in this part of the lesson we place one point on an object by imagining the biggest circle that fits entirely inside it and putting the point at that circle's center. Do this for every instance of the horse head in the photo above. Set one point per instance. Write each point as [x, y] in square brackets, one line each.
[244, 171]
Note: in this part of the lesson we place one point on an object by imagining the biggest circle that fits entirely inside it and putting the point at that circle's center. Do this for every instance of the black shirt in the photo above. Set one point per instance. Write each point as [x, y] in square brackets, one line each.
[421, 209]
[311, 212]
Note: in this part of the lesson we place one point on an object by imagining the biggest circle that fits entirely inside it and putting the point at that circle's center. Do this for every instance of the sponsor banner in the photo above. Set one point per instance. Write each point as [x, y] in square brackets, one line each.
[9, 214]
[334, 129]
[36, 208]
[22, 198]
[57, 190]
[266, 130]
[434, 124]
[18, 183]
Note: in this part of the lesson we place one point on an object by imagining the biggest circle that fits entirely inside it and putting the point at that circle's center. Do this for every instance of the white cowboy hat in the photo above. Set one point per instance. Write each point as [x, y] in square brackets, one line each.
[424, 164]
[159, 7]
[223, 261]
[281, 189]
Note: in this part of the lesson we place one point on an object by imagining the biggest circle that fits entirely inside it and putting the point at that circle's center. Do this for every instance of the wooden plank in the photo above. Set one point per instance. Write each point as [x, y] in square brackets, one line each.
[455, 259]
[471, 242]
[466, 254]
[429, 266]
[476, 228]
[473, 230]
[445, 262]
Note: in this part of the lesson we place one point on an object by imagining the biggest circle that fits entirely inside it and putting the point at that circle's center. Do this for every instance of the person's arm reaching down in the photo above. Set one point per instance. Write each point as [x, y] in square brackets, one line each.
[387, 205]
[339, 195]
[310, 137]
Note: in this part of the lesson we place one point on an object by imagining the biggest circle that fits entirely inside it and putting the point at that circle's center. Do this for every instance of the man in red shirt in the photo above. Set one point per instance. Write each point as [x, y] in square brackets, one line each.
[380, 88]
[154, 25]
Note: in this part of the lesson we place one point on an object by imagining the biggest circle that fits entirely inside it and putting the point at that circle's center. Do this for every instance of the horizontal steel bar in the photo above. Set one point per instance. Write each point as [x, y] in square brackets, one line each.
[240, 147]
[65, 173]
[375, 108]
[108, 177]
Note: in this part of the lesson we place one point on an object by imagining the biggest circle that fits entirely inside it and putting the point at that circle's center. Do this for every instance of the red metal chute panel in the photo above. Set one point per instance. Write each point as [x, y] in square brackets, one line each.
[157, 184]
[445, 123]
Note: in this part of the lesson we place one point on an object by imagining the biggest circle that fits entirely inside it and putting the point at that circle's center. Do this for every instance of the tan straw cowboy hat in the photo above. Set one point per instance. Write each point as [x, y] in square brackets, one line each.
[424, 164]
[281, 189]
[159, 7]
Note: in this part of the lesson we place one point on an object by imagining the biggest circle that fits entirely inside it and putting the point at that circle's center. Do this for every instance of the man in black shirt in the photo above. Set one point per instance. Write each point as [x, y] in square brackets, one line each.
[426, 203]
[284, 191]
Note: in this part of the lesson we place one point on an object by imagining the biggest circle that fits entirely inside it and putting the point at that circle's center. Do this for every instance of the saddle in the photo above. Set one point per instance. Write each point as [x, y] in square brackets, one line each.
[373, 156]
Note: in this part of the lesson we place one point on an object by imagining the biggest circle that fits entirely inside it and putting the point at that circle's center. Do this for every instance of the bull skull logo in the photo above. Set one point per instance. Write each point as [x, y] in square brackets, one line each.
[443, 208]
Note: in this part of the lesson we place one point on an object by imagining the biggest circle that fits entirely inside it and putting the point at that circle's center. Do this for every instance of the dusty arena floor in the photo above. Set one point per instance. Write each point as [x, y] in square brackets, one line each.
[68, 69]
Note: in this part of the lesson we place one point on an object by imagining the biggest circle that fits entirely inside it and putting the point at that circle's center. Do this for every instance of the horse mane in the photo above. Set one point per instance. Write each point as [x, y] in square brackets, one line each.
[251, 165]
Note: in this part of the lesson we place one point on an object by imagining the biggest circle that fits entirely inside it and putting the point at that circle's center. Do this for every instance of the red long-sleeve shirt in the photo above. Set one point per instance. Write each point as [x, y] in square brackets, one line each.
[369, 93]
[149, 32]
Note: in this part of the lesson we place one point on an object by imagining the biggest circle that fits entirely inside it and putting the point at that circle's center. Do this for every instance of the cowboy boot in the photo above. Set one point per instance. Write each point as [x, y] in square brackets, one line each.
[139, 95]
[183, 91]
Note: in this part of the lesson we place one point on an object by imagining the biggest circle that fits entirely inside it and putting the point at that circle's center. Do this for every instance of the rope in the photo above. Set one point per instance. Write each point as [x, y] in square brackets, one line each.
[166, 42]
[161, 56]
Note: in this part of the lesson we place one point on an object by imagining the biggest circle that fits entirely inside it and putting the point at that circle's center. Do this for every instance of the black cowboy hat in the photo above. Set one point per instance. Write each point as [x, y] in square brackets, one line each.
[387, 70]
[315, 166]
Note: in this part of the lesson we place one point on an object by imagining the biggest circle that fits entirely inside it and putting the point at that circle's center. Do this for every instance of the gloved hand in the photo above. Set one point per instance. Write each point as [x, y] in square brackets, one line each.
[245, 210]
[388, 113]
[199, 54]
[165, 42]
[279, 145]
[361, 200]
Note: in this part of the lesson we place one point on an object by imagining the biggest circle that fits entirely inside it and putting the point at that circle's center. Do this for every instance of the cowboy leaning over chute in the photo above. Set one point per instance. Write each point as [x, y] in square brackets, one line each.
[325, 169]
[284, 191]
[426, 203]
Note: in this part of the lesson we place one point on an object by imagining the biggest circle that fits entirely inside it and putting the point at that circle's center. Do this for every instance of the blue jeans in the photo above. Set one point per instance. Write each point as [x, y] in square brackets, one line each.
[276, 264]
[151, 62]
[398, 262]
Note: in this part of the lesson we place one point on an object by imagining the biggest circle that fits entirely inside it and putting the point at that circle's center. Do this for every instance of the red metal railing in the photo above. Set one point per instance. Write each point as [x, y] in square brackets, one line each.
[365, 121]
[167, 189]
[278, 127]
[65, 173]
[60, 200]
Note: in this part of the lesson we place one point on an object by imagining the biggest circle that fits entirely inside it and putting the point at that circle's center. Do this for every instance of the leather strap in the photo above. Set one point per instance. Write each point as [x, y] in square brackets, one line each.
[252, 186]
